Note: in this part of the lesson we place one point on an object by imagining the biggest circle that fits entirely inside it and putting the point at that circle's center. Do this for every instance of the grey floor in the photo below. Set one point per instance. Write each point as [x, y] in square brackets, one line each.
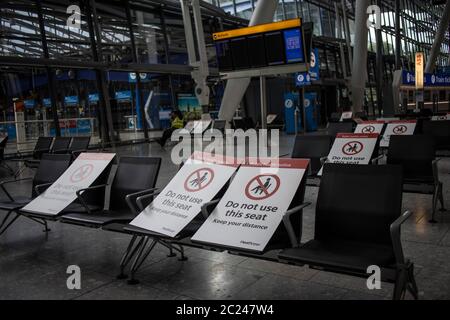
[33, 265]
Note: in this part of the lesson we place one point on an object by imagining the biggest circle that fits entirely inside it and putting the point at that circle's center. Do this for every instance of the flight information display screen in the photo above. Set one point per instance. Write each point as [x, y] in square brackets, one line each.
[256, 51]
[224, 57]
[259, 46]
[274, 48]
[240, 53]
[293, 46]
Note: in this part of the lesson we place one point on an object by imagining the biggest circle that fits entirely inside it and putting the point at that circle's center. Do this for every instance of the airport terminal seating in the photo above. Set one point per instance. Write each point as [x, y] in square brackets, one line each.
[334, 128]
[358, 219]
[416, 155]
[135, 176]
[59, 146]
[315, 148]
[77, 146]
[49, 170]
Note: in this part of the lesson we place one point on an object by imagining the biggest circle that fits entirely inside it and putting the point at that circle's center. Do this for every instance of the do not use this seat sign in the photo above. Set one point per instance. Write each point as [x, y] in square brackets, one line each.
[195, 184]
[352, 148]
[253, 206]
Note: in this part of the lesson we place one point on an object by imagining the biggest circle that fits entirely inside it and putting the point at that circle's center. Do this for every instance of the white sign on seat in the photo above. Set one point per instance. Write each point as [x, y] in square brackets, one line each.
[370, 127]
[253, 206]
[195, 184]
[352, 148]
[346, 116]
[397, 128]
[80, 175]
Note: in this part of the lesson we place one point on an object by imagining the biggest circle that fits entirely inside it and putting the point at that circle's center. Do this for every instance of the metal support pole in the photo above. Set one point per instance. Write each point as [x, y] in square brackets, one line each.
[167, 53]
[138, 76]
[50, 73]
[347, 36]
[398, 39]
[262, 87]
[339, 36]
[101, 109]
[435, 50]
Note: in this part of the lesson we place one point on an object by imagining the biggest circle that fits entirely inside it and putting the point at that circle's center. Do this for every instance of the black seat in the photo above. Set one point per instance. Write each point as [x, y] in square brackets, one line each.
[51, 167]
[41, 147]
[135, 176]
[315, 148]
[78, 145]
[440, 131]
[416, 154]
[283, 237]
[339, 127]
[61, 145]
[358, 225]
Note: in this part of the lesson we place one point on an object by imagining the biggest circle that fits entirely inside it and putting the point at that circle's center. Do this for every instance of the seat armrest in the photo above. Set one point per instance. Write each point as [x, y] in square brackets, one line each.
[206, 208]
[131, 199]
[140, 200]
[40, 187]
[436, 171]
[80, 192]
[288, 225]
[395, 237]
[377, 159]
[4, 183]
[60, 151]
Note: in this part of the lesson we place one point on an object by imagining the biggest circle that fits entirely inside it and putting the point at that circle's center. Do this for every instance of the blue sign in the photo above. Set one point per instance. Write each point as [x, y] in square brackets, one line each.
[314, 68]
[29, 104]
[290, 105]
[302, 79]
[293, 46]
[93, 98]
[123, 95]
[145, 77]
[47, 102]
[431, 80]
[71, 101]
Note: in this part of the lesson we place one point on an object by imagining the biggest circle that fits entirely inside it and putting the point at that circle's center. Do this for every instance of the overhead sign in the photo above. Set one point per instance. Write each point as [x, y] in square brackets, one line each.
[352, 148]
[314, 67]
[93, 98]
[420, 60]
[253, 206]
[302, 79]
[196, 183]
[80, 175]
[261, 28]
[397, 128]
[370, 127]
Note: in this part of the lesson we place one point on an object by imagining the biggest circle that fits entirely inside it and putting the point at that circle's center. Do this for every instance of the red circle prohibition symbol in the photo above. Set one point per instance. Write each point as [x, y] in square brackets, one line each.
[261, 188]
[368, 129]
[352, 148]
[199, 180]
[81, 173]
[401, 129]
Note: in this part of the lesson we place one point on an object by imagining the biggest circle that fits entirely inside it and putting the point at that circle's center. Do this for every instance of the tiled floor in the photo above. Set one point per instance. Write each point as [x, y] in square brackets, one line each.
[33, 265]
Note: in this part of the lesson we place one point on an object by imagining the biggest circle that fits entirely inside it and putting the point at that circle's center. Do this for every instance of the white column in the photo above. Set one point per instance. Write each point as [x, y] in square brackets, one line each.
[235, 88]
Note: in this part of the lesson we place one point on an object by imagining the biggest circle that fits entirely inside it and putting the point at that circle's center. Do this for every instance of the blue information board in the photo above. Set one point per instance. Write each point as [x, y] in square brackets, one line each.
[293, 46]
